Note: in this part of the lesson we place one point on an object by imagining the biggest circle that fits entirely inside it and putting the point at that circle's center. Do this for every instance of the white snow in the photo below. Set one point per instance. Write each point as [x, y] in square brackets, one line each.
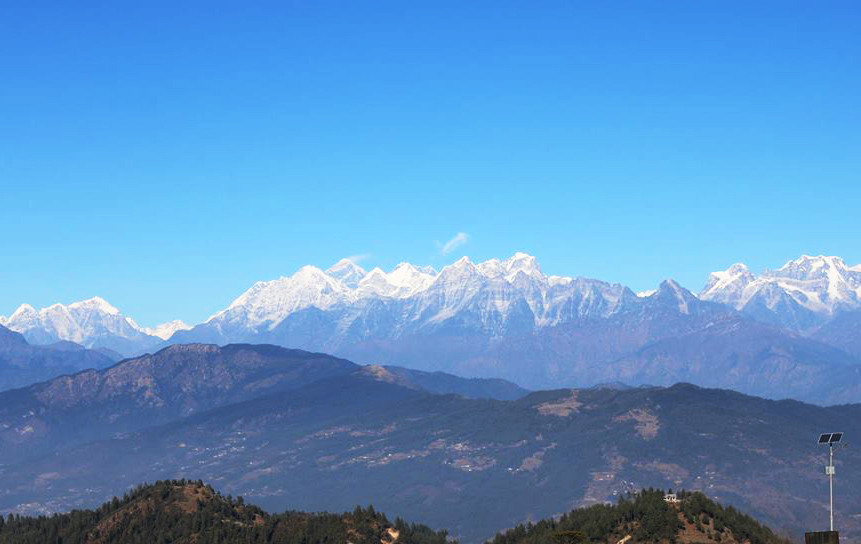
[166, 330]
[492, 292]
[82, 322]
[822, 284]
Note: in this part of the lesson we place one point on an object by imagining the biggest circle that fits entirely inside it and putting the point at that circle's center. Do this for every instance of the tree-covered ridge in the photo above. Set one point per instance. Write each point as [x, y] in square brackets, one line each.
[185, 512]
[646, 517]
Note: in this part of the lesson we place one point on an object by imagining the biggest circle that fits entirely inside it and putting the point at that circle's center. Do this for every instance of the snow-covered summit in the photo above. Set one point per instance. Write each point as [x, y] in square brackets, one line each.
[93, 323]
[95, 304]
[347, 271]
[494, 294]
[166, 330]
[814, 285]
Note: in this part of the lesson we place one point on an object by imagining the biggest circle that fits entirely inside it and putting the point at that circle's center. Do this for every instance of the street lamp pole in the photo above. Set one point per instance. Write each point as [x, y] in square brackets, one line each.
[830, 471]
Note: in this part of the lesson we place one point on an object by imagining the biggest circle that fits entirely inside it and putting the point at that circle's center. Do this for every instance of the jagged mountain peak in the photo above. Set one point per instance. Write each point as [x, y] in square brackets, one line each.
[97, 304]
[509, 268]
[347, 271]
[800, 294]
[166, 330]
[310, 273]
[522, 263]
[489, 297]
[93, 323]
[670, 290]
[460, 263]
[809, 267]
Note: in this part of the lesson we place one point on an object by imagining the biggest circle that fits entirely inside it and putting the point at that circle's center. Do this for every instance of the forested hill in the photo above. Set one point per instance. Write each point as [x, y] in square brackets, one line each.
[647, 517]
[184, 512]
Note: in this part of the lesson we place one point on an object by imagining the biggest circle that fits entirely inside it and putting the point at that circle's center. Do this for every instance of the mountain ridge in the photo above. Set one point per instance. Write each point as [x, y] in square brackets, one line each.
[22, 363]
[507, 319]
[436, 458]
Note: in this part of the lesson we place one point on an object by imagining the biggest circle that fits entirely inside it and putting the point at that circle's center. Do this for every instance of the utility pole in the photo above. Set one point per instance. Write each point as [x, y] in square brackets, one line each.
[830, 439]
[829, 470]
[831, 536]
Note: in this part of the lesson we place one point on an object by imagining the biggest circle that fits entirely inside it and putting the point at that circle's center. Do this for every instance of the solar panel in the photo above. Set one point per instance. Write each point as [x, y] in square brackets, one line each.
[824, 438]
[835, 438]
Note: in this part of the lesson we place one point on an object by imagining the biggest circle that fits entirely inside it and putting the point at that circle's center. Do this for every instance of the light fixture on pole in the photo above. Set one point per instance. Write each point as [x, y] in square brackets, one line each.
[830, 439]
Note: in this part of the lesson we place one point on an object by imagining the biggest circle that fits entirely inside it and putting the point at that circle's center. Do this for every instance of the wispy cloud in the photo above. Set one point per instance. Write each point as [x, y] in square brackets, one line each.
[459, 239]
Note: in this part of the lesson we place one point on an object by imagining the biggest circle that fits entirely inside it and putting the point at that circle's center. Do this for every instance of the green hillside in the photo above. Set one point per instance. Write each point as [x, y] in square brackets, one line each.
[184, 512]
[646, 517]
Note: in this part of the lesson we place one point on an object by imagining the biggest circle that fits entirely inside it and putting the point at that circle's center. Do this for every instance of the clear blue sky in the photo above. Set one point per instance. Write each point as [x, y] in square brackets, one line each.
[166, 156]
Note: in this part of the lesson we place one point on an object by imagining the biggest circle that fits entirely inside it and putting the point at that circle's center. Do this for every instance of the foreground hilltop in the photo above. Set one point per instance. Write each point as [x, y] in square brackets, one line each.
[647, 516]
[180, 511]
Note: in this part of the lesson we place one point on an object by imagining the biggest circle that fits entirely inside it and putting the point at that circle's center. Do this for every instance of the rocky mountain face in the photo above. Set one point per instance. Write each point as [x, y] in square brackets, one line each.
[22, 364]
[183, 380]
[844, 332]
[175, 382]
[436, 459]
[800, 295]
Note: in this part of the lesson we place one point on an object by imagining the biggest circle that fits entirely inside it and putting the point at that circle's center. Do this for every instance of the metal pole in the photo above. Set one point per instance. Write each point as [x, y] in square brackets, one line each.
[831, 482]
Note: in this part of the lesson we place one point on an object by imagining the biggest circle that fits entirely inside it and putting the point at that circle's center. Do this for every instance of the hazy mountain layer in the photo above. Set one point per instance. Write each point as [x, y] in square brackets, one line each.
[360, 435]
[507, 319]
[22, 364]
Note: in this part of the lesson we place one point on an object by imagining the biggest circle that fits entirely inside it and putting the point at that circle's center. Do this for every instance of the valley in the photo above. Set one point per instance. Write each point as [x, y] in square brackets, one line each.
[348, 435]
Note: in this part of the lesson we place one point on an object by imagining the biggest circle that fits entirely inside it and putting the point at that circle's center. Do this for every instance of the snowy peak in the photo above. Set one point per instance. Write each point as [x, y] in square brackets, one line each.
[23, 311]
[269, 302]
[674, 294]
[490, 295]
[88, 322]
[166, 330]
[819, 286]
[522, 262]
[509, 269]
[407, 280]
[95, 304]
[376, 282]
[807, 268]
[348, 272]
[727, 286]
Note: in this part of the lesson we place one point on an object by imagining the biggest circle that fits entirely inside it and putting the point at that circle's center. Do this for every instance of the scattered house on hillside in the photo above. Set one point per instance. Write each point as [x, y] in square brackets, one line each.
[671, 498]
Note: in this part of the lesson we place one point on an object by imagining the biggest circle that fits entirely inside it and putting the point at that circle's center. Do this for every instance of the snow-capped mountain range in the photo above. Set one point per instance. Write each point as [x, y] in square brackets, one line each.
[493, 297]
[470, 317]
[93, 323]
[799, 295]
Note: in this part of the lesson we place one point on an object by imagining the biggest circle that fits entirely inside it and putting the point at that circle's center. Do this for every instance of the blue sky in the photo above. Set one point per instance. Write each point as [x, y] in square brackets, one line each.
[167, 157]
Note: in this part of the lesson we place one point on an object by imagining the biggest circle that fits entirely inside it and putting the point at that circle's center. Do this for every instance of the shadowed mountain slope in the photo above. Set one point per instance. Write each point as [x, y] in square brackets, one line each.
[136, 393]
[360, 437]
[843, 332]
[22, 364]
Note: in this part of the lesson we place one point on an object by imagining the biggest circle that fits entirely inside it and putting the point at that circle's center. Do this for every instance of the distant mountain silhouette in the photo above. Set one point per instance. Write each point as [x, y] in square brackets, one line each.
[22, 364]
